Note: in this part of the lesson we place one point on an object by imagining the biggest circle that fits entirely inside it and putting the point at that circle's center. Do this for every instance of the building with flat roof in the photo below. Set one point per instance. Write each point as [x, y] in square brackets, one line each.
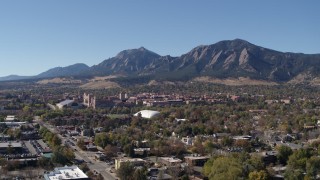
[170, 161]
[4, 146]
[195, 160]
[133, 161]
[100, 156]
[10, 118]
[13, 124]
[65, 103]
[4, 137]
[71, 172]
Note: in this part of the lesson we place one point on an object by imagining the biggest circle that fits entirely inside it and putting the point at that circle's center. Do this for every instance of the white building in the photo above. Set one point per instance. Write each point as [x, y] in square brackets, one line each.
[65, 103]
[187, 141]
[147, 114]
[133, 161]
[71, 172]
[10, 118]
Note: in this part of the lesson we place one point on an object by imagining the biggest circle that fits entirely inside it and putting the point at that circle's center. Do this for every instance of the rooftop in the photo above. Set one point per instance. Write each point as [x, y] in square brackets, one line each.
[12, 144]
[10, 118]
[131, 160]
[71, 172]
[147, 113]
[171, 159]
[65, 102]
[196, 157]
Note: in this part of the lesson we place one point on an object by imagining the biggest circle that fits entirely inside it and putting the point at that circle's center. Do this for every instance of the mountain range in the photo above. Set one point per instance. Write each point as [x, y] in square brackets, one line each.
[224, 59]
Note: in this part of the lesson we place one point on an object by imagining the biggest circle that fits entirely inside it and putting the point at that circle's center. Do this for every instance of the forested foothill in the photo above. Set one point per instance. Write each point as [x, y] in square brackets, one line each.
[246, 132]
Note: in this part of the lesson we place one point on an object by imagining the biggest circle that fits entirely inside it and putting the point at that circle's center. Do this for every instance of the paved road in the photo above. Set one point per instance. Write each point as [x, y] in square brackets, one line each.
[99, 166]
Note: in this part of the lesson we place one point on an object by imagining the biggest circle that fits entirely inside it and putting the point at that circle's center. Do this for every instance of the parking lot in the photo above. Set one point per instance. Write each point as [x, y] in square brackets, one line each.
[31, 149]
[37, 147]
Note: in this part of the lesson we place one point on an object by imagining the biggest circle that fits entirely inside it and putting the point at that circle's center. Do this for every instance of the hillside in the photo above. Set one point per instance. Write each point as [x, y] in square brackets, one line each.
[64, 71]
[225, 59]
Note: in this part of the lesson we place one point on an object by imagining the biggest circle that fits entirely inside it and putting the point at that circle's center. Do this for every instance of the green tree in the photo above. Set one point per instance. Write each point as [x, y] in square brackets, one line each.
[44, 163]
[62, 155]
[313, 167]
[101, 140]
[258, 175]
[185, 177]
[255, 163]
[296, 165]
[81, 144]
[26, 109]
[140, 174]
[227, 141]
[125, 171]
[84, 167]
[294, 174]
[129, 150]
[298, 159]
[283, 154]
[58, 157]
[55, 141]
[224, 168]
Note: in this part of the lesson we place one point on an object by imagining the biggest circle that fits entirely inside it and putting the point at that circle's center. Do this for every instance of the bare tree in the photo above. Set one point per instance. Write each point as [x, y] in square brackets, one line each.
[30, 173]
[4, 172]
[174, 171]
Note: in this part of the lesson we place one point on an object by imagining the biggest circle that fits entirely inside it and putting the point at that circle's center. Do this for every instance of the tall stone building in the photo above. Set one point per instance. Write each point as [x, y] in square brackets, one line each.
[123, 96]
[89, 100]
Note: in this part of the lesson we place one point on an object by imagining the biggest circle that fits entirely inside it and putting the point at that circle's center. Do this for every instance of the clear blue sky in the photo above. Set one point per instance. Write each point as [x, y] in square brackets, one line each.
[36, 35]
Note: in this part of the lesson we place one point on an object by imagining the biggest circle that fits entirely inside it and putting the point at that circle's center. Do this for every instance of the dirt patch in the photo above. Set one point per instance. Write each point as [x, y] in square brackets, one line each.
[234, 81]
[100, 85]
[156, 83]
[59, 81]
[103, 78]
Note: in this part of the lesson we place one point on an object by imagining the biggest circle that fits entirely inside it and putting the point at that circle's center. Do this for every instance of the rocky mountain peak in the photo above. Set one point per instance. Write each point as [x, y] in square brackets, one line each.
[224, 59]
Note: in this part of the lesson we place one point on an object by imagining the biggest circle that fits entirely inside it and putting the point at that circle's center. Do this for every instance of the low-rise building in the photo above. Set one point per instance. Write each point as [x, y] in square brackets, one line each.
[244, 137]
[133, 161]
[13, 124]
[187, 140]
[269, 157]
[91, 147]
[100, 156]
[141, 151]
[10, 118]
[195, 160]
[170, 161]
[26, 135]
[286, 101]
[71, 172]
[65, 103]
[6, 147]
[4, 137]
